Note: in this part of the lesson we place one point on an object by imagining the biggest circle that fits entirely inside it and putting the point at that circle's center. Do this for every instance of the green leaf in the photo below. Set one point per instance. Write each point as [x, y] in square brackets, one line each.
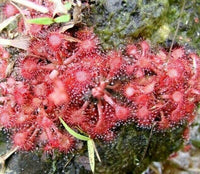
[72, 132]
[90, 144]
[41, 21]
[68, 5]
[63, 18]
[97, 153]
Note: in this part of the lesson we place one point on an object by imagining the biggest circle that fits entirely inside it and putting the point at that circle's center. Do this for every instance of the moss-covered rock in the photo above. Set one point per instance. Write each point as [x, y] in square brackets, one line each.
[116, 22]
[189, 30]
[131, 152]
[136, 148]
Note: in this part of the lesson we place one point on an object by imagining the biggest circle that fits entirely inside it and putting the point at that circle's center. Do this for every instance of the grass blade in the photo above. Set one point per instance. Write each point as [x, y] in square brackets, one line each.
[21, 43]
[72, 132]
[8, 21]
[32, 5]
[97, 153]
[90, 144]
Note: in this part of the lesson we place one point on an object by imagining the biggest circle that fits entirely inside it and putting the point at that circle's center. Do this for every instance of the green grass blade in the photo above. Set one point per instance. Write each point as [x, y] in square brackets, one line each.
[41, 21]
[63, 18]
[97, 153]
[72, 132]
[90, 144]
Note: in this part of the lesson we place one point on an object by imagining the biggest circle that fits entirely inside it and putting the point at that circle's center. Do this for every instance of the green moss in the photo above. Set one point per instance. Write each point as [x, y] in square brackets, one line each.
[189, 31]
[135, 148]
[131, 152]
[117, 22]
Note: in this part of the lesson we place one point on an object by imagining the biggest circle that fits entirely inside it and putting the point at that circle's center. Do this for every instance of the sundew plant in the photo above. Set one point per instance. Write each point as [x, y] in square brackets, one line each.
[62, 87]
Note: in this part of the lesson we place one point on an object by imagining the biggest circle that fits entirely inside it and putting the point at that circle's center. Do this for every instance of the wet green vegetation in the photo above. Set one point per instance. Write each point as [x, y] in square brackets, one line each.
[118, 22]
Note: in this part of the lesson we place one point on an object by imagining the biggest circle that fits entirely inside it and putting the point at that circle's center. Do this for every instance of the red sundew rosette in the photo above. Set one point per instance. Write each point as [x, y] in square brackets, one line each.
[95, 91]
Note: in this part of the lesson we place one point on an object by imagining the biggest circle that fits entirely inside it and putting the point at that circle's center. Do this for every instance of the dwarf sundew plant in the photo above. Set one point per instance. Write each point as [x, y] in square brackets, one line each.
[67, 75]
[93, 90]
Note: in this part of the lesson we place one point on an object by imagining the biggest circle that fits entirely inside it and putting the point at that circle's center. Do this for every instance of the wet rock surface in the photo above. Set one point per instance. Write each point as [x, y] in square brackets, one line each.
[27, 163]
